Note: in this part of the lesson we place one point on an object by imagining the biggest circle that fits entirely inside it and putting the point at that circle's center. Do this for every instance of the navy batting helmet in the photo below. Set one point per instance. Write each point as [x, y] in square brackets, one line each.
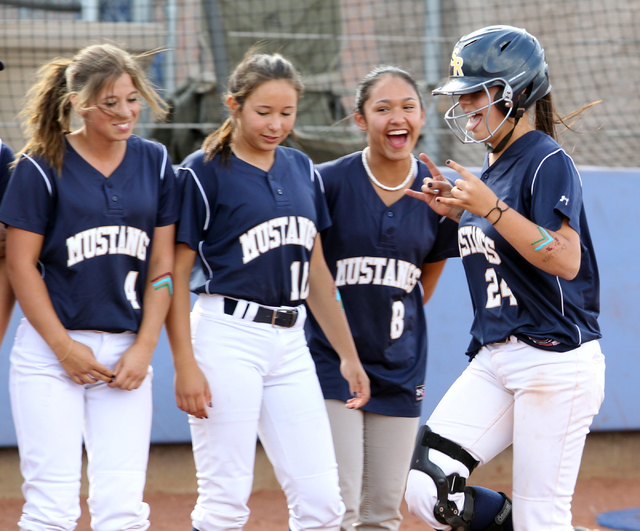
[501, 56]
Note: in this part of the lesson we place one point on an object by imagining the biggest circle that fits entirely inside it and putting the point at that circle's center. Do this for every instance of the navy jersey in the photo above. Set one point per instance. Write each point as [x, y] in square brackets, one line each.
[97, 231]
[253, 230]
[536, 177]
[376, 254]
[6, 158]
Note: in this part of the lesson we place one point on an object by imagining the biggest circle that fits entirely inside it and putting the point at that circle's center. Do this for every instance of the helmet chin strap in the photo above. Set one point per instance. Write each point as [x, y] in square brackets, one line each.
[519, 113]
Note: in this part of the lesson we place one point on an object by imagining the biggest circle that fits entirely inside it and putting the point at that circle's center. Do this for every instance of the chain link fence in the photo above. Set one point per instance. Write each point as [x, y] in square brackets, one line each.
[592, 48]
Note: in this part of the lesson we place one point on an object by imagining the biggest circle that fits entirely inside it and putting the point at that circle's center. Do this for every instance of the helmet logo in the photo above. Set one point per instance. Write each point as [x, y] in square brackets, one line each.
[456, 65]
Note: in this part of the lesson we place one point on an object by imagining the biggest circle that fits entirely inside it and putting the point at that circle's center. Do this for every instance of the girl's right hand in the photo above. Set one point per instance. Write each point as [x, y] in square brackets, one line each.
[81, 365]
[434, 187]
[359, 385]
[192, 390]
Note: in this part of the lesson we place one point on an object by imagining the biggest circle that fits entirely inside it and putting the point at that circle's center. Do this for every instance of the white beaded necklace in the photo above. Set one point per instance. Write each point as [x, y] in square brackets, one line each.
[377, 182]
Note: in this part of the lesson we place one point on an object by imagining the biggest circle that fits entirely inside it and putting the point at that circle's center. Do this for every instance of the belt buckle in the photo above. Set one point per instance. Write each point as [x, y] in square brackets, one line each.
[292, 316]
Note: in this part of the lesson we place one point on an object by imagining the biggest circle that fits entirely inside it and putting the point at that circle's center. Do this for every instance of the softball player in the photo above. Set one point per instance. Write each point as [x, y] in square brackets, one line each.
[7, 298]
[536, 378]
[91, 218]
[248, 242]
[386, 252]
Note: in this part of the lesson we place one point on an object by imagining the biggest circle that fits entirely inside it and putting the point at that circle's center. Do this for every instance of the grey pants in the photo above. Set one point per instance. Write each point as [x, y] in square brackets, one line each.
[373, 453]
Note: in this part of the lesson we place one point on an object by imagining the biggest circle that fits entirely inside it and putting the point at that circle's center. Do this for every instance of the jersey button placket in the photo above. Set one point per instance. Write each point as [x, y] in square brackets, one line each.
[114, 198]
[277, 190]
[388, 229]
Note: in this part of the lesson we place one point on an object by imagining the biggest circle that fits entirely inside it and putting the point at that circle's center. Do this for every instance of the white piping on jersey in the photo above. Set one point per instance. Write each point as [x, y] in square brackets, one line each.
[163, 167]
[576, 168]
[316, 173]
[44, 175]
[320, 181]
[561, 295]
[532, 184]
[562, 310]
[204, 197]
[535, 175]
[544, 159]
[579, 335]
[201, 253]
[41, 268]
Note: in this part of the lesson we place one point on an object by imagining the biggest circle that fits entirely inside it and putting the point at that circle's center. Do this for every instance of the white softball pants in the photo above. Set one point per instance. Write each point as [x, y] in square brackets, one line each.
[263, 382]
[52, 416]
[541, 402]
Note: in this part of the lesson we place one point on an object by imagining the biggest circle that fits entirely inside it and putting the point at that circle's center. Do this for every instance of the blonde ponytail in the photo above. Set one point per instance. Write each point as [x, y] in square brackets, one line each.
[47, 114]
[48, 107]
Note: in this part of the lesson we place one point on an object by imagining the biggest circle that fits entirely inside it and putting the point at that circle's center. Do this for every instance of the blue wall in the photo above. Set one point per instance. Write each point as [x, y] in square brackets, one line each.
[610, 197]
[610, 200]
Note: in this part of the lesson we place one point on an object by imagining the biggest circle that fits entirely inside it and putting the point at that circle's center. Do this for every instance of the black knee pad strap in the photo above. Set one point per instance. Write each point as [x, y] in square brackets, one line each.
[445, 511]
[503, 517]
[427, 438]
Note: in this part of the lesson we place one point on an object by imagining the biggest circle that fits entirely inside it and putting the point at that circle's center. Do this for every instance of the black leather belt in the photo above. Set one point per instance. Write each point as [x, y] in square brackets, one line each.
[282, 317]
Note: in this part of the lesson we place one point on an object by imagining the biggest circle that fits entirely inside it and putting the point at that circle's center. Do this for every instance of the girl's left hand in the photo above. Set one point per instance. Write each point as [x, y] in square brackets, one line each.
[354, 373]
[469, 192]
[132, 368]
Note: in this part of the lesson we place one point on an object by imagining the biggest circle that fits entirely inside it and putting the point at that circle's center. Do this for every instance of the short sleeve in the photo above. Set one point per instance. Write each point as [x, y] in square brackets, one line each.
[168, 210]
[195, 210]
[556, 192]
[322, 210]
[30, 196]
[446, 242]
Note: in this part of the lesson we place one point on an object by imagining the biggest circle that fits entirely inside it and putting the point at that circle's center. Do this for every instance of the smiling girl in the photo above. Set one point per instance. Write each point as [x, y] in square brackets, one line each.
[90, 248]
[536, 376]
[386, 252]
[248, 245]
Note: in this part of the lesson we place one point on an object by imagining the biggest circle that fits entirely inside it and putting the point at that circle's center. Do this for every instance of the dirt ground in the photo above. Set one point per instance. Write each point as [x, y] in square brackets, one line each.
[170, 511]
[609, 480]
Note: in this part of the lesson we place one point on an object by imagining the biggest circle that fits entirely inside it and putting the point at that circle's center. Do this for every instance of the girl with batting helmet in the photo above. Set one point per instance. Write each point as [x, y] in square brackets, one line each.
[248, 245]
[536, 377]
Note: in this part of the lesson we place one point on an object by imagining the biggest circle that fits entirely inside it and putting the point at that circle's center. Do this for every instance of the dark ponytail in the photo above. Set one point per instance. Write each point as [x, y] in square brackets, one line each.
[219, 142]
[547, 118]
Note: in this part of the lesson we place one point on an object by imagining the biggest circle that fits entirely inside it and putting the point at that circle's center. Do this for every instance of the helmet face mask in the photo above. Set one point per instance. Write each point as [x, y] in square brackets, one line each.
[456, 118]
[503, 56]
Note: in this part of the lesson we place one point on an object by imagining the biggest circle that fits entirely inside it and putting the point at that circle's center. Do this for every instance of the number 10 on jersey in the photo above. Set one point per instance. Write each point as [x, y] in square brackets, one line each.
[299, 288]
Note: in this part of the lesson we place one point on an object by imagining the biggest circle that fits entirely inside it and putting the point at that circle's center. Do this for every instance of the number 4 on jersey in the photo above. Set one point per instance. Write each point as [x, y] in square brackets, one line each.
[496, 292]
[130, 289]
